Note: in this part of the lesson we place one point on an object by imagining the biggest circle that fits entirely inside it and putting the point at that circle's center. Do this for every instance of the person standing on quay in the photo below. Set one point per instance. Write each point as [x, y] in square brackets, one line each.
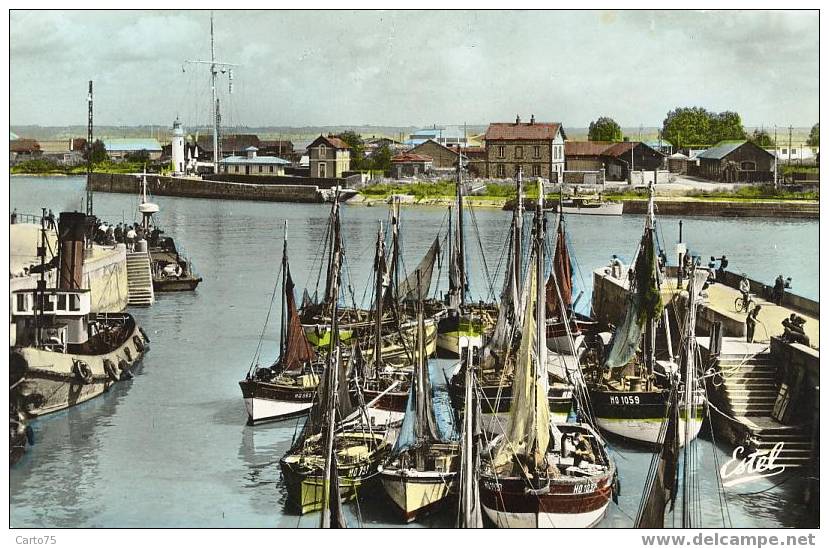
[751, 323]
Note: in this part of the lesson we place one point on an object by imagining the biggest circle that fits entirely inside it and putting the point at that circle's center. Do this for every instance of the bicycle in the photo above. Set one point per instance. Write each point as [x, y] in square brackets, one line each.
[744, 304]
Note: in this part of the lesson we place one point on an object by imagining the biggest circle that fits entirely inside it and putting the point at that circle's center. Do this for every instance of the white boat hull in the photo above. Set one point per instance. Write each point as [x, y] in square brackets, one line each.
[260, 409]
[544, 520]
[449, 343]
[645, 431]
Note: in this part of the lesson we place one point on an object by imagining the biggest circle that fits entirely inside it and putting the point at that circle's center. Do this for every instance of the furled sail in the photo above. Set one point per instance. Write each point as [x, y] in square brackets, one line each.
[297, 349]
[508, 315]
[563, 270]
[661, 488]
[644, 303]
[407, 290]
[528, 431]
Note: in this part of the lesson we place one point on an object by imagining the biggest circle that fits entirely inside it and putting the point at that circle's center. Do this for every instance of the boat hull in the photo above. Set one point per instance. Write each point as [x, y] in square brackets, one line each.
[416, 493]
[51, 383]
[607, 208]
[569, 503]
[266, 401]
[638, 416]
[303, 474]
[171, 285]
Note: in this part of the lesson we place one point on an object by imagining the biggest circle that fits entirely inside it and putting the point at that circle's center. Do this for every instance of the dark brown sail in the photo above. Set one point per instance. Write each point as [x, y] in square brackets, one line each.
[563, 270]
[297, 349]
[663, 484]
[407, 290]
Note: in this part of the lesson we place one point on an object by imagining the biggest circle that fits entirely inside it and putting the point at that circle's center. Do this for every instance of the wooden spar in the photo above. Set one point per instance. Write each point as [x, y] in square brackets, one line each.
[330, 468]
[420, 394]
[378, 300]
[469, 515]
[518, 231]
[690, 415]
[283, 339]
[540, 361]
[460, 250]
[334, 256]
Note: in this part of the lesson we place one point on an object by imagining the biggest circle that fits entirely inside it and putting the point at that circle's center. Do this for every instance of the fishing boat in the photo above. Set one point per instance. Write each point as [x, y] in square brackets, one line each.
[629, 391]
[333, 427]
[288, 386]
[465, 321]
[63, 353]
[398, 330]
[497, 359]
[538, 473]
[171, 271]
[589, 205]
[424, 459]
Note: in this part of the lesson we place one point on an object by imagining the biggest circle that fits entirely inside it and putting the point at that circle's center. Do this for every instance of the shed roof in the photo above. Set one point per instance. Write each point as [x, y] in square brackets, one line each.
[335, 142]
[724, 148]
[132, 145]
[23, 145]
[410, 157]
[534, 131]
[258, 160]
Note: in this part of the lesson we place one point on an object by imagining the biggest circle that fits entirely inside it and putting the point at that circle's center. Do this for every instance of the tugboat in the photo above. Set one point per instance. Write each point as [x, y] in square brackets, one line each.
[63, 353]
[170, 270]
[540, 473]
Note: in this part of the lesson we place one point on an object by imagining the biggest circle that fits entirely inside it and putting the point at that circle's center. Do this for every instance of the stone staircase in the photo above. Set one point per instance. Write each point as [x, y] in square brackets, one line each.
[139, 279]
[749, 392]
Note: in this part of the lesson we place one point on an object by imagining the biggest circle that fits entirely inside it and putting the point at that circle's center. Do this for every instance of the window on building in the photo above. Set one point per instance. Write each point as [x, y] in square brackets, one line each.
[536, 170]
[21, 302]
[748, 166]
[519, 152]
[261, 168]
[501, 151]
[270, 169]
[536, 151]
[785, 151]
[74, 302]
[323, 151]
[500, 169]
[62, 301]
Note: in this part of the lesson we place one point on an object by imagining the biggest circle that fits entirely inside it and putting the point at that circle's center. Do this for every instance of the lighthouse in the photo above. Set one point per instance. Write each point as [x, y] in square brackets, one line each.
[178, 148]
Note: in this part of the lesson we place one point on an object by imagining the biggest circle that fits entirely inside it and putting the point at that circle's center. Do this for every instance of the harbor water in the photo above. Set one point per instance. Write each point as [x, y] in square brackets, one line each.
[171, 448]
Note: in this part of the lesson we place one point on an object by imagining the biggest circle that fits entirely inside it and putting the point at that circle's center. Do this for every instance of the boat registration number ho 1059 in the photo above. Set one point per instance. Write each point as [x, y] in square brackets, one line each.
[624, 400]
[584, 488]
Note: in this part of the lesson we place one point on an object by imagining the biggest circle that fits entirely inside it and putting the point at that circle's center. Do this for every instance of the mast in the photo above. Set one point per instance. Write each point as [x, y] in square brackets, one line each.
[420, 394]
[460, 250]
[283, 339]
[469, 515]
[688, 404]
[334, 257]
[330, 482]
[378, 299]
[518, 231]
[541, 294]
[650, 326]
[40, 291]
[89, 202]
[215, 68]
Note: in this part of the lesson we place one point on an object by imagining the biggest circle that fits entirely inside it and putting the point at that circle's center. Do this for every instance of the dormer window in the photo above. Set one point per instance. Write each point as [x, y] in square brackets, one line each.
[323, 151]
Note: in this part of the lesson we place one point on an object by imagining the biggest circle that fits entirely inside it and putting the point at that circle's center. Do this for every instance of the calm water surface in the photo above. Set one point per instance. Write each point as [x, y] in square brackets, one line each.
[171, 449]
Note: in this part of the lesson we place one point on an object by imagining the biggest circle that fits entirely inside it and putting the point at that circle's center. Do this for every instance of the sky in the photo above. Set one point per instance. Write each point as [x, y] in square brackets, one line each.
[395, 68]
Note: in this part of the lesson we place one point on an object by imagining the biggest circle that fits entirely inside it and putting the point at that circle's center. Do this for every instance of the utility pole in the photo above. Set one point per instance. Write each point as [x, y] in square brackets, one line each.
[215, 68]
[775, 157]
[789, 162]
[89, 204]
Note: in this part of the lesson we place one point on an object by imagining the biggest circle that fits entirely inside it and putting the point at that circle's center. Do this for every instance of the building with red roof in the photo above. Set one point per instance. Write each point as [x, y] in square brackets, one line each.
[409, 164]
[536, 147]
[328, 156]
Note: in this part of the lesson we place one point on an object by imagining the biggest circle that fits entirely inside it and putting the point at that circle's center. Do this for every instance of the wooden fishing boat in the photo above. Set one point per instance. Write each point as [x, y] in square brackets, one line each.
[466, 323]
[64, 353]
[288, 387]
[423, 463]
[334, 435]
[539, 473]
[590, 205]
[629, 392]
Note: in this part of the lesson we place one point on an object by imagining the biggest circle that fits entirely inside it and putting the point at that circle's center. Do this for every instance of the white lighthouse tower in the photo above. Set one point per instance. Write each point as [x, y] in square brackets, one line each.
[178, 149]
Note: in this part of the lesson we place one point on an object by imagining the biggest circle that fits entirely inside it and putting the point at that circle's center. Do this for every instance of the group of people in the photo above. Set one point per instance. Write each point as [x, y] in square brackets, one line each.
[124, 233]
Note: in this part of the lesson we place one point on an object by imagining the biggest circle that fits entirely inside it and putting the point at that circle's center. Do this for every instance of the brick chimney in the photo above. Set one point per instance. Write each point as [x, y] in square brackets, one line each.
[517, 119]
[532, 119]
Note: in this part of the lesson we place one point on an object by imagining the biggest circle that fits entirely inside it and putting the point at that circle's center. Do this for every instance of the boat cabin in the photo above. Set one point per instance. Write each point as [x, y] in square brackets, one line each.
[64, 318]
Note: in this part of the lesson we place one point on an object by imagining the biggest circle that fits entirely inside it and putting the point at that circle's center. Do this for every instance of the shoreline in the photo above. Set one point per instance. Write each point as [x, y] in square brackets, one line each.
[669, 205]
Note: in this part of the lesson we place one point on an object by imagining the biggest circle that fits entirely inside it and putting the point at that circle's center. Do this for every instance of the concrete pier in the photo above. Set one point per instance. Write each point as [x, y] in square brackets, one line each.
[104, 268]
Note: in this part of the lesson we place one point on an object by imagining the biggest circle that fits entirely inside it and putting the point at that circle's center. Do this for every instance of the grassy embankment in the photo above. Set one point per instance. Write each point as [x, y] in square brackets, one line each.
[45, 167]
[758, 193]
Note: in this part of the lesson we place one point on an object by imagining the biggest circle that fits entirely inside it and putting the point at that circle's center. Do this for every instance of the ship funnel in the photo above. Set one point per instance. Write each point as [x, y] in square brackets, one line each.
[71, 231]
